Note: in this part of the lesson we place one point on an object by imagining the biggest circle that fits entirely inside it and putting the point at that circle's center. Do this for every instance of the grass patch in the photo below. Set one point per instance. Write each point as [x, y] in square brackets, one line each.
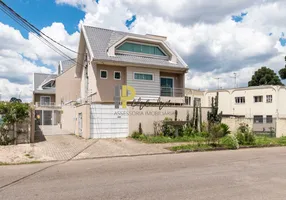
[20, 163]
[162, 139]
[192, 147]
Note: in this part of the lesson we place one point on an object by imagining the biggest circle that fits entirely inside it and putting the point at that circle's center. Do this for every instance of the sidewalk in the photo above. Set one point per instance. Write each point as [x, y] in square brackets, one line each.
[66, 147]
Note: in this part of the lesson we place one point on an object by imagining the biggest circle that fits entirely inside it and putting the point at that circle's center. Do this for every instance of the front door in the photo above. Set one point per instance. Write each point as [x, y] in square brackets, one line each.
[167, 86]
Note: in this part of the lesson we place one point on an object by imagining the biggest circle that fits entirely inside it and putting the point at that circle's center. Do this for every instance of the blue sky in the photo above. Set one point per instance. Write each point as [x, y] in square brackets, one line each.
[42, 13]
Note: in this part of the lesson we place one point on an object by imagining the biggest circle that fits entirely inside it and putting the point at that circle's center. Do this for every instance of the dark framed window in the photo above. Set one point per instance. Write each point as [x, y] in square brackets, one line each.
[258, 99]
[269, 119]
[142, 76]
[103, 74]
[258, 119]
[239, 100]
[141, 48]
[188, 100]
[268, 98]
[117, 75]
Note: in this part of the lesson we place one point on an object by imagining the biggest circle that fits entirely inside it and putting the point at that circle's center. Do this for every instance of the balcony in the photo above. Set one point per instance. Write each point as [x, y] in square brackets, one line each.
[46, 104]
[174, 95]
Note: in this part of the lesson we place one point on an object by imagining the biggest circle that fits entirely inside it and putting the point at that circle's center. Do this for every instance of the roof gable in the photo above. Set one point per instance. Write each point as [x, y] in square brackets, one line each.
[103, 42]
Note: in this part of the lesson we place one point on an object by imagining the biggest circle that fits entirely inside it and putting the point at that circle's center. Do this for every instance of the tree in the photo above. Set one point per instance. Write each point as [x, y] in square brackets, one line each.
[265, 76]
[282, 72]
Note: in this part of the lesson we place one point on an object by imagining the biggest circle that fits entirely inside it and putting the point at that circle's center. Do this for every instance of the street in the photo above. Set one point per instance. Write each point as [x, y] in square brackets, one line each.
[242, 174]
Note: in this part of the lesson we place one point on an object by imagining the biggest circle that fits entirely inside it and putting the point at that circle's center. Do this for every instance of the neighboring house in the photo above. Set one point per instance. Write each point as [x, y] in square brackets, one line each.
[44, 93]
[44, 89]
[108, 59]
[192, 95]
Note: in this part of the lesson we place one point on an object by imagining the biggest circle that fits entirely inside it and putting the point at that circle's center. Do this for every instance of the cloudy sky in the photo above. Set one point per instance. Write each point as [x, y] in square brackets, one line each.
[215, 38]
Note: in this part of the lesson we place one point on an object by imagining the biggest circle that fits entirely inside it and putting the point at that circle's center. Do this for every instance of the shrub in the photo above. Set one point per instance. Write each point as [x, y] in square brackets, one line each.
[136, 135]
[157, 128]
[215, 133]
[243, 127]
[230, 141]
[249, 138]
[188, 131]
[204, 134]
[225, 129]
[246, 138]
[168, 130]
[240, 137]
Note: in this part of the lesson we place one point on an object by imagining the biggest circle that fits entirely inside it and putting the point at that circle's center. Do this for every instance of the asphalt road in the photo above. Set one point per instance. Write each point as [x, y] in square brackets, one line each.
[244, 174]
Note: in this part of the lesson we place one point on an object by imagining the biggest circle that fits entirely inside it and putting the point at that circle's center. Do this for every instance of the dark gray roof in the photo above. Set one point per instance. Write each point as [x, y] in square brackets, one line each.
[40, 79]
[66, 64]
[101, 39]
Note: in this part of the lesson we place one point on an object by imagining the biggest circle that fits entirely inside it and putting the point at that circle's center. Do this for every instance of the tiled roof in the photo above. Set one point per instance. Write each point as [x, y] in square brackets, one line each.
[101, 39]
[40, 79]
[66, 64]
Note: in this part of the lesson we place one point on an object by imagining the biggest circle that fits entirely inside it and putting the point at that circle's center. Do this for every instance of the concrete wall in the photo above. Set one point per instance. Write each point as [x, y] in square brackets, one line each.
[148, 115]
[234, 122]
[281, 127]
[70, 119]
[67, 87]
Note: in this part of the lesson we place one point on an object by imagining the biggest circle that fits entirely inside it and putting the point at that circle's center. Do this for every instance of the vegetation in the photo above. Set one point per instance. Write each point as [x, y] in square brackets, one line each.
[265, 76]
[230, 142]
[12, 113]
[282, 72]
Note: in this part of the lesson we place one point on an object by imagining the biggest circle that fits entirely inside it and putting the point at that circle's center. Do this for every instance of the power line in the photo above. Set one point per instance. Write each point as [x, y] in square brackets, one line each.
[39, 31]
[35, 31]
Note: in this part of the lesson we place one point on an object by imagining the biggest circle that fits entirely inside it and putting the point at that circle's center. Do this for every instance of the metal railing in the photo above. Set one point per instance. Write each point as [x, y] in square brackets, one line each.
[172, 92]
[45, 104]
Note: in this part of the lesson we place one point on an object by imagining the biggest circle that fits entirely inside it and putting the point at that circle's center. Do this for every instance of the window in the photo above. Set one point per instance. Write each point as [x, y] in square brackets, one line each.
[141, 76]
[258, 119]
[103, 74]
[188, 100]
[141, 48]
[45, 100]
[197, 101]
[268, 98]
[239, 100]
[50, 84]
[269, 119]
[258, 99]
[117, 75]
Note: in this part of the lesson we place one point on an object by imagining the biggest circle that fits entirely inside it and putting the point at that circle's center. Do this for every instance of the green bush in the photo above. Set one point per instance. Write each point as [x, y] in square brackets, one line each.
[188, 131]
[204, 134]
[247, 138]
[216, 132]
[168, 130]
[230, 141]
[264, 141]
[136, 135]
[243, 128]
[240, 137]
[225, 129]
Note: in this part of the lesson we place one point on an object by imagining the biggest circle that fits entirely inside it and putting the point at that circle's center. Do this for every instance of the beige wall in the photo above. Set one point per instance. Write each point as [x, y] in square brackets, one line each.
[281, 127]
[85, 110]
[106, 87]
[37, 97]
[67, 87]
[69, 119]
[148, 115]
[234, 122]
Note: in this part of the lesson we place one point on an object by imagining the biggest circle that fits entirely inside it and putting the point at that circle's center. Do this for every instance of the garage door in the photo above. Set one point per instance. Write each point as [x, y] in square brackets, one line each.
[106, 124]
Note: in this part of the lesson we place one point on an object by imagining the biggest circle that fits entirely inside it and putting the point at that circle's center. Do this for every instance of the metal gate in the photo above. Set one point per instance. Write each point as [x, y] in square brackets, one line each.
[47, 122]
[108, 122]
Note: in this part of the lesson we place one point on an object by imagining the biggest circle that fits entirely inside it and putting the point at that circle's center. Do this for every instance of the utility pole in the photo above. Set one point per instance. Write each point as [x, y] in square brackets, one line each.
[235, 79]
[218, 82]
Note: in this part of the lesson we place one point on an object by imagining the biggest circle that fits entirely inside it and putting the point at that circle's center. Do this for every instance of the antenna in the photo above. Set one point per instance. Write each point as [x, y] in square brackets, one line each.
[218, 82]
[235, 79]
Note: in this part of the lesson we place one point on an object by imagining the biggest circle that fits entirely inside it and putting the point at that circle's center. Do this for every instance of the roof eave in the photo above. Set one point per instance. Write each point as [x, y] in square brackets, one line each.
[132, 64]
